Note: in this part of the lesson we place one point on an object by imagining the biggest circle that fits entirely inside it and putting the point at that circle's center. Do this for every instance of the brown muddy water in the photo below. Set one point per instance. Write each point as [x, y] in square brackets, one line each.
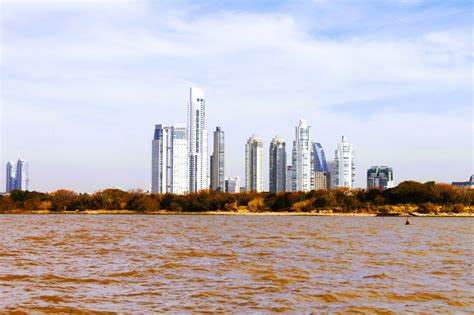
[238, 264]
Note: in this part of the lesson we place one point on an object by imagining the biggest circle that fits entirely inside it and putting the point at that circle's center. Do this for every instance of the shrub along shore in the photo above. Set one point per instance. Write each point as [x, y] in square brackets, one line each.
[408, 198]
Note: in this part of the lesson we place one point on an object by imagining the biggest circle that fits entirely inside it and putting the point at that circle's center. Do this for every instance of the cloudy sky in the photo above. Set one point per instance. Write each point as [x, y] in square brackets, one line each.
[83, 83]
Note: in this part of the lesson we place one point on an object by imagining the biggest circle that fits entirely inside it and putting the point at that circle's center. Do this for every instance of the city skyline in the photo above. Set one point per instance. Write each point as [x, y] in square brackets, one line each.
[91, 90]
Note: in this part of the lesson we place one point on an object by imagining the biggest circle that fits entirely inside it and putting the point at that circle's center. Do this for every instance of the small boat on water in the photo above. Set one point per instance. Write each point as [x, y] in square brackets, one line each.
[407, 222]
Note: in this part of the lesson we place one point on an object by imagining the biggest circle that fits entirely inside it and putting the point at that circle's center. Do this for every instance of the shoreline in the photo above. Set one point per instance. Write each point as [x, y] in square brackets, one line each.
[241, 213]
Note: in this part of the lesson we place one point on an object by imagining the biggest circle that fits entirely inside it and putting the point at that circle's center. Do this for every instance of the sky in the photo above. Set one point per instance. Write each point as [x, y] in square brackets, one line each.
[84, 82]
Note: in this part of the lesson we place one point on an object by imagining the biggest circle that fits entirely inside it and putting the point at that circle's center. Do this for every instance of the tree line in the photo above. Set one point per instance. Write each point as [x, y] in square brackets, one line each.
[423, 197]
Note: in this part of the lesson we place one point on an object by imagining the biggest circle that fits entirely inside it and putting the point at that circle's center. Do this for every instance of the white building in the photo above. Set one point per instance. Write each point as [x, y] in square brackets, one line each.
[218, 161]
[197, 141]
[170, 160]
[277, 178]
[11, 177]
[254, 164]
[344, 167]
[302, 167]
[232, 185]
[22, 180]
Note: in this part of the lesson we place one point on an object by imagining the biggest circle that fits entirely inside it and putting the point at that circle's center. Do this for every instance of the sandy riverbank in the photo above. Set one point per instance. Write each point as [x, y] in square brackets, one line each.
[263, 213]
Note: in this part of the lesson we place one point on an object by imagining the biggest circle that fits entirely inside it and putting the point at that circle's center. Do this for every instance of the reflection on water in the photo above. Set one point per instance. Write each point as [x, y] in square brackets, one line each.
[257, 264]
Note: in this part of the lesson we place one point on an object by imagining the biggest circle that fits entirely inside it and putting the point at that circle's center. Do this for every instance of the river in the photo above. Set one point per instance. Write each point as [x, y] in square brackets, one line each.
[239, 264]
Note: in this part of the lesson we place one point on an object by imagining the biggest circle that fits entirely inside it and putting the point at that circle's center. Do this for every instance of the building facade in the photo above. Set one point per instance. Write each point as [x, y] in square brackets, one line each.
[11, 177]
[329, 182]
[380, 177]
[320, 164]
[320, 180]
[232, 185]
[254, 164]
[170, 160]
[218, 161]
[197, 141]
[302, 164]
[22, 179]
[344, 167]
[277, 165]
[469, 184]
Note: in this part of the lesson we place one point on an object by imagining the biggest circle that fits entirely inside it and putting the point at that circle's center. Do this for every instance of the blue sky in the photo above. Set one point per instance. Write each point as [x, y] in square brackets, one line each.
[83, 83]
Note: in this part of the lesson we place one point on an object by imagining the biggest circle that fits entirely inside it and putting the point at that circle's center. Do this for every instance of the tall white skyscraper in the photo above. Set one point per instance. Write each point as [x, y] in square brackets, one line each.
[302, 167]
[170, 160]
[11, 177]
[197, 141]
[344, 167]
[254, 164]
[218, 161]
[277, 165]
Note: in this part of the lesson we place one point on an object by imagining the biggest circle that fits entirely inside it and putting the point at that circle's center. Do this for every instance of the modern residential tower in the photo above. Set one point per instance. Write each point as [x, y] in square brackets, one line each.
[321, 171]
[344, 167]
[22, 180]
[254, 164]
[302, 178]
[170, 160]
[11, 177]
[277, 165]
[218, 161]
[197, 141]
[17, 177]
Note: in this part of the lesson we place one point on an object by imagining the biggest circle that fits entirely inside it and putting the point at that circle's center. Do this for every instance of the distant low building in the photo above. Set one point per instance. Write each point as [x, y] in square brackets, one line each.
[380, 177]
[469, 184]
[232, 185]
[320, 180]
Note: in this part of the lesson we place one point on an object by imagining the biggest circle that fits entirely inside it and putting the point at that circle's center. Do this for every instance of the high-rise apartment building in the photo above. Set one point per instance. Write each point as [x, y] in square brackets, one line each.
[380, 177]
[17, 177]
[197, 141]
[218, 161]
[254, 164]
[329, 183]
[321, 170]
[289, 178]
[302, 158]
[320, 164]
[22, 180]
[344, 167]
[170, 160]
[11, 177]
[277, 165]
[232, 185]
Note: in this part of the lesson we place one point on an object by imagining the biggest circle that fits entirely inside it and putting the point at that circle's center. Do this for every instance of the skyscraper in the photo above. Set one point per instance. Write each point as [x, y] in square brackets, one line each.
[344, 167]
[320, 164]
[170, 160]
[197, 141]
[11, 177]
[22, 179]
[321, 172]
[302, 179]
[329, 182]
[380, 177]
[289, 179]
[254, 164]
[277, 165]
[218, 161]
